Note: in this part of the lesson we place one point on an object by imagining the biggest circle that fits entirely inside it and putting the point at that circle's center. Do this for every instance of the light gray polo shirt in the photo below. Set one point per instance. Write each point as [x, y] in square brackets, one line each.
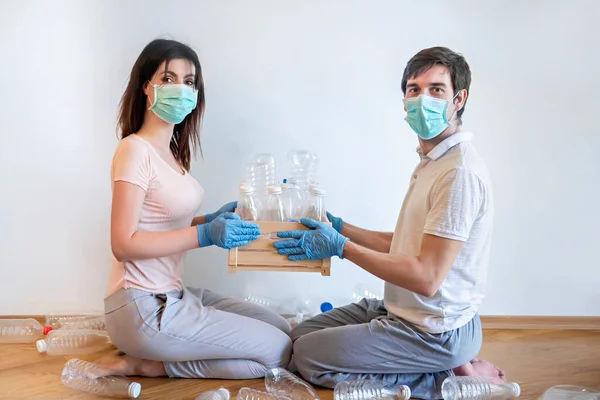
[450, 196]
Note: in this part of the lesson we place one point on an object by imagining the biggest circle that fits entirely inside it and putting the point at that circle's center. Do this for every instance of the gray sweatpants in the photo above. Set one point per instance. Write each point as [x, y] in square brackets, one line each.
[361, 341]
[198, 333]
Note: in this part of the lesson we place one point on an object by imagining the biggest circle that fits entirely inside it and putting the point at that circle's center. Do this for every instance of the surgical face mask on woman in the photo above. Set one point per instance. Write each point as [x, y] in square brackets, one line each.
[173, 102]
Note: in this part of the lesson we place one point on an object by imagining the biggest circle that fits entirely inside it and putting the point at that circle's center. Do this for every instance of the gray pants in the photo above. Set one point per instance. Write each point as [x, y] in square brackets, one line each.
[198, 333]
[360, 341]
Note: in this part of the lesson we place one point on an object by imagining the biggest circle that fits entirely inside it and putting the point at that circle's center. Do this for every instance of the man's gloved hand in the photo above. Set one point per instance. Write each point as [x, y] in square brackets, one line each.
[227, 231]
[321, 242]
[229, 207]
[336, 222]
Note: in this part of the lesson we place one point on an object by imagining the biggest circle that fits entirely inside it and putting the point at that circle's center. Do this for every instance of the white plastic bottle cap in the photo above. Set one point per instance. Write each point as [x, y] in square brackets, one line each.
[516, 389]
[405, 390]
[246, 188]
[134, 390]
[41, 345]
[225, 392]
[274, 189]
[317, 191]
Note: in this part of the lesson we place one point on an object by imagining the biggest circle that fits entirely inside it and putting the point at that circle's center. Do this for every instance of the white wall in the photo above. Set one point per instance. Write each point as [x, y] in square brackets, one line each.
[322, 75]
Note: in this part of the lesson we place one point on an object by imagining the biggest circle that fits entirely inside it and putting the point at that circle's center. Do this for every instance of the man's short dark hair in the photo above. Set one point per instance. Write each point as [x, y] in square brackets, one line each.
[459, 70]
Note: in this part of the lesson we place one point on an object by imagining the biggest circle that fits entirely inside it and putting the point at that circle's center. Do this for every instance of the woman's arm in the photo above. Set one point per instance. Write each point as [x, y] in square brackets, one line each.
[229, 207]
[200, 220]
[130, 244]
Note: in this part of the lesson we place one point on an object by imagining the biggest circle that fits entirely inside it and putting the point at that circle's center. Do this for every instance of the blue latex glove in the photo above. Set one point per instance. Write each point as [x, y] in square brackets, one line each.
[321, 242]
[229, 207]
[336, 222]
[227, 231]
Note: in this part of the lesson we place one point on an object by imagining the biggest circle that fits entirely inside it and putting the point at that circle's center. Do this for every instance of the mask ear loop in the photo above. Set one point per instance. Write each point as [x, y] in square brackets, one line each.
[155, 96]
[454, 98]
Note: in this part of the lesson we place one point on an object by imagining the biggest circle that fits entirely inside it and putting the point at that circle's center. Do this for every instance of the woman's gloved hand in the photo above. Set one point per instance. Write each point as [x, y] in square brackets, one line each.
[229, 207]
[321, 242]
[227, 231]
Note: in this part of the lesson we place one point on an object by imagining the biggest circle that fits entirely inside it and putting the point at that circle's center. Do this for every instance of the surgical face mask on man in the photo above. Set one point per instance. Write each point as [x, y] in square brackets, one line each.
[426, 115]
[173, 102]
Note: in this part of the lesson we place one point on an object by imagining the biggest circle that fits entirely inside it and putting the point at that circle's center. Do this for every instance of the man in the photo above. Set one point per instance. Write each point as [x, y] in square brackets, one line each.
[434, 264]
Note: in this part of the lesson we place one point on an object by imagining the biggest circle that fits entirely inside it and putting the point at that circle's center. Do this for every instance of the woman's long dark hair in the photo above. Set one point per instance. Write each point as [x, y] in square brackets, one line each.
[186, 135]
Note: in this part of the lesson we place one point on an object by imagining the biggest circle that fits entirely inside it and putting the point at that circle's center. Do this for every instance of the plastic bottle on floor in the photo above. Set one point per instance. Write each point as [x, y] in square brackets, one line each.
[24, 330]
[370, 390]
[362, 291]
[262, 301]
[281, 382]
[80, 341]
[252, 394]
[477, 388]
[88, 377]
[86, 321]
[219, 394]
[312, 306]
[570, 392]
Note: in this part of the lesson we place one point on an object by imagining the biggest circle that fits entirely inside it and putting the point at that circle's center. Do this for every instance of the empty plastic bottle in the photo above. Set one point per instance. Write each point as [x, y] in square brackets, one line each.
[75, 322]
[294, 201]
[570, 392]
[371, 390]
[89, 377]
[317, 211]
[312, 306]
[25, 330]
[262, 301]
[477, 388]
[79, 341]
[275, 210]
[252, 394]
[219, 394]
[362, 291]
[248, 206]
[281, 382]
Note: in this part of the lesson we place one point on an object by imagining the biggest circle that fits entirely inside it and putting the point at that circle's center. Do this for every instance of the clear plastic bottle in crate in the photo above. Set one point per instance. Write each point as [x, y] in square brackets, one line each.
[317, 211]
[275, 210]
[478, 388]
[24, 330]
[294, 200]
[248, 206]
[90, 377]
[302, 167]
[78, 341]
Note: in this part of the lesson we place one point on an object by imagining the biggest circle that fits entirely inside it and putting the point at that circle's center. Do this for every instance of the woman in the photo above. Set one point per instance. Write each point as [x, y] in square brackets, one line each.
[162, 328]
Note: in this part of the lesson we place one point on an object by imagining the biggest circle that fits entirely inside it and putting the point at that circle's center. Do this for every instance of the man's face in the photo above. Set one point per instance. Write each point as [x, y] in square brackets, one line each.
[436, 82]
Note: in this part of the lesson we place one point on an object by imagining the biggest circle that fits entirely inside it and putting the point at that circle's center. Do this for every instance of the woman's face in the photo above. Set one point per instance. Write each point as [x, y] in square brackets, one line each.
[180, 71]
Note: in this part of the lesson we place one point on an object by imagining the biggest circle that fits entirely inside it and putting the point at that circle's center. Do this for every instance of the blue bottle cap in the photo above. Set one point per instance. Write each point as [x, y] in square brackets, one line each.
[326, 306]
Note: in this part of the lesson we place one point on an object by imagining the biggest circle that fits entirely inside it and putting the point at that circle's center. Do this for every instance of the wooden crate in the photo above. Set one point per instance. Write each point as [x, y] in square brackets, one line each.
[260, 255]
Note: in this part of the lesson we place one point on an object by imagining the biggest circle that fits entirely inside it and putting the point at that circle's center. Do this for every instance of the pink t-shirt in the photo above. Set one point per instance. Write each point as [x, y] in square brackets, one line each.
[172, 200]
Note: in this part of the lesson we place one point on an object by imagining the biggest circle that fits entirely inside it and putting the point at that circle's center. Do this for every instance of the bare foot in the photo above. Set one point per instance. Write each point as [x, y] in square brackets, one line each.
[481, 368]
[118, 363]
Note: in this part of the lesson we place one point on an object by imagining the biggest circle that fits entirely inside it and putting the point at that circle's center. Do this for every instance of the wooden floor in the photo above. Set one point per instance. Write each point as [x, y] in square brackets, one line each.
[535, 359]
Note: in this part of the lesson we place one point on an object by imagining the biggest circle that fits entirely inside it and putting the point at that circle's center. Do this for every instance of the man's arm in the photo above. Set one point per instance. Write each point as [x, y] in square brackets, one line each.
[457, 198]
[376, 241]
[422, 274]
